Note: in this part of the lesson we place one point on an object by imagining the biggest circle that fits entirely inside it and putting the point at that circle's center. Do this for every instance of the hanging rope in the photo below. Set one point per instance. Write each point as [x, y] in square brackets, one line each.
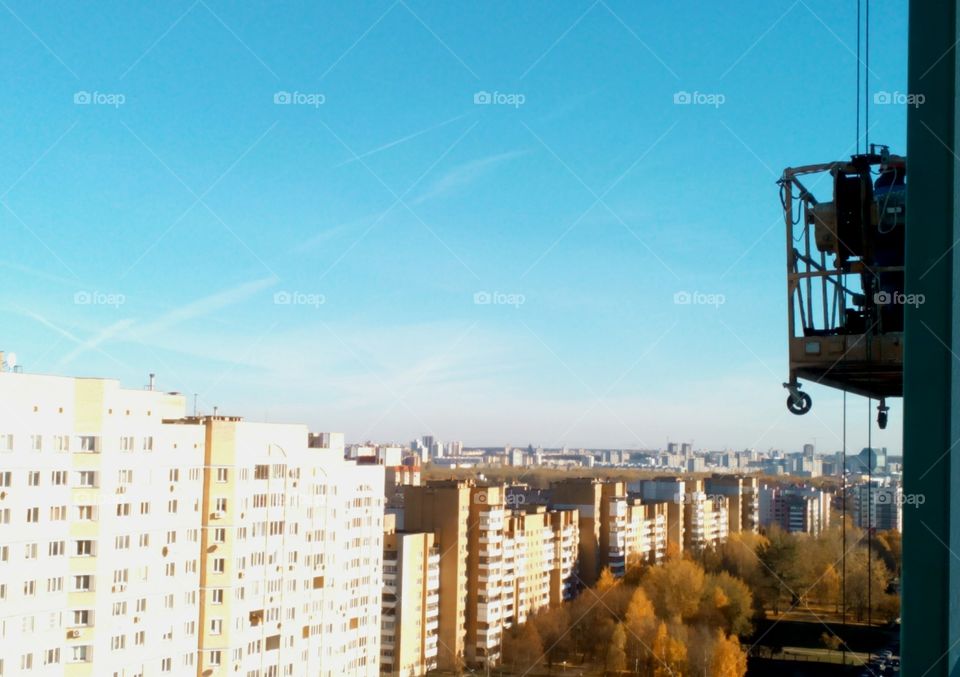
[843, 566]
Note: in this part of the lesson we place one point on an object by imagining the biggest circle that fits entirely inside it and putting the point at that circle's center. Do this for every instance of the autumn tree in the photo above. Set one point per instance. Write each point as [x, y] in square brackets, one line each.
[675, 588]
[640, 623]
[522, 647]
[826, 589]
[552, 625]
[726, 603]
[616, 650]
[728, 659]
[669, 653]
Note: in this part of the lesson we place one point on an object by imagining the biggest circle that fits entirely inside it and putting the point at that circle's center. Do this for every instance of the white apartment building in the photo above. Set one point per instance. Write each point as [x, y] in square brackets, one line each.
[100, 504]
[135, 541]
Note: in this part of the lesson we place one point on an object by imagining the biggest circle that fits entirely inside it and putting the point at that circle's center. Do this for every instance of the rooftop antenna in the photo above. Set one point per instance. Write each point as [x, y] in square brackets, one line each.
[195, 404]
[152, 383]
[11, 361]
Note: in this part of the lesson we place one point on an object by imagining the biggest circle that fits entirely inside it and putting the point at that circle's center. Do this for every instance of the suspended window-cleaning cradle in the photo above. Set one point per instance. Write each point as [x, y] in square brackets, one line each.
[845, 295]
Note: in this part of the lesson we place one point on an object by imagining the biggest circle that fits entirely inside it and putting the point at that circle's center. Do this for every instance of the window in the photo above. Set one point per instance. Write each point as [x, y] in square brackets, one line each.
[213, 658]
[87, 478]
[144, 507]
[84, 548]
[29, 588]
[33, 478]
[119, 609]
[61, 443]
[4, 554]
[219, 535]
[83, 583]
[26, 661]
[217, 596]
[126, 443]
[174, 474]
[221, 505]
[55, 584]
[123, 509]
[216, 626]
[118, 642]
[4, 515]
[6, 478]
[58, 478]
[144, 540]
[36, 442]
[81, 617]
[125, 476]
[166, 665]
[51, 656]
[6, 442]
[222, 474]
[58, 513]
[56, 548]
[141, 605]
[121, 542]
[171, 537]
[172, 506]
[33, 515]
[89, 444]
[80, 654]
[86, 512]
[219, 565]
[30, 551]
[148, 443]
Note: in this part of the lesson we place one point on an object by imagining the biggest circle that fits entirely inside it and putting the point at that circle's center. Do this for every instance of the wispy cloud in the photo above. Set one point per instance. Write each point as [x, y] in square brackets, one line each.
[464, 175]
[204, 306]
[401, 140]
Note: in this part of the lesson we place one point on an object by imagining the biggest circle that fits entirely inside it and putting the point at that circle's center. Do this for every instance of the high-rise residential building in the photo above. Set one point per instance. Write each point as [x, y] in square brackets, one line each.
[877, 504]
[137, 540]
[589, 497]
[292, 551]
[672, 491]
[443, 508]
[411, 602]
[638, 532]
[100, 513]
[741, 492]
[796, 509]
[540, 561]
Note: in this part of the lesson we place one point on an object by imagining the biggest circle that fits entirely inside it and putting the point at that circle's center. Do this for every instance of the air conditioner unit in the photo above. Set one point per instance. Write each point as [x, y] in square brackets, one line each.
[73, 634]
[121, 490]
[119, 587]
[217, 515]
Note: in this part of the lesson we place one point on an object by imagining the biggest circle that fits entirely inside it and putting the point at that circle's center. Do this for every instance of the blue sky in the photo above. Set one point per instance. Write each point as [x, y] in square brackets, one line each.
[321, 260]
